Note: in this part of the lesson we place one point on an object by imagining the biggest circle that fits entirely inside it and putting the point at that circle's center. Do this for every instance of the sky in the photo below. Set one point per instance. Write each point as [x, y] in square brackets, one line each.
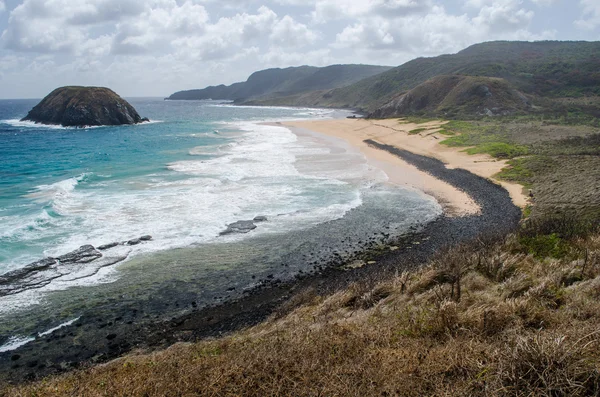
[156, 47]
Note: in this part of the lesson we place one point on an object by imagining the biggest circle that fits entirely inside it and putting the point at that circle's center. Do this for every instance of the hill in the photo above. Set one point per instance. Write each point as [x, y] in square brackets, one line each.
[83, 106]
[454, 95]
[551, 69]
[273, 83]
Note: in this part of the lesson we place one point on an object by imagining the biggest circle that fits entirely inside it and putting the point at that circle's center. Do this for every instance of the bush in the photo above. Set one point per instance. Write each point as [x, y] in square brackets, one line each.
[545, 246]
[549, 365]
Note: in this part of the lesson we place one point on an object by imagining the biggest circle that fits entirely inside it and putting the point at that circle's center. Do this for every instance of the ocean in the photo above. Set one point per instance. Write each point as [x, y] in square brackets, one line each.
[197, 167]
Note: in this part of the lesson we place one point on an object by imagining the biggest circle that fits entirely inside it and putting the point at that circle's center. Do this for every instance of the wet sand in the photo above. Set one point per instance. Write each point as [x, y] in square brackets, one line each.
[427, 143]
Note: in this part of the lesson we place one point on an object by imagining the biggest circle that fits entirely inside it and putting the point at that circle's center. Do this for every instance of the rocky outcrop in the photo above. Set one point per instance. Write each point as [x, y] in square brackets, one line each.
[81, 263]
[243, 226]
[82, 107]
[453, 95]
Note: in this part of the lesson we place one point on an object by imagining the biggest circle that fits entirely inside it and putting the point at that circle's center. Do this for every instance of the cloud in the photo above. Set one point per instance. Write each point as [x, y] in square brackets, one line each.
[590, 16]
[288, 32]
[327, 10]
[145, 45]
[278, 57]
[227, 37]
[544, 3]
[437, 30]
[50, 26]
[503, 16]
[156, 28]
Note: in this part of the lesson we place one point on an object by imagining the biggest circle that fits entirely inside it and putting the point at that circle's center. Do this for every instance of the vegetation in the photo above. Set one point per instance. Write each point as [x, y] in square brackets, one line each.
[499, 316]
[482, 138]
[415, 120]
[560, 78]
[548, 69]
[275, 83]
[417, 131]
[524, 170]
[457, 97]
[558, 163]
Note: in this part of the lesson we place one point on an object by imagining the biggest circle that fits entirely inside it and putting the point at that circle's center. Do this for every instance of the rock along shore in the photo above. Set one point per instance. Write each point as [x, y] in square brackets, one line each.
[498, 216]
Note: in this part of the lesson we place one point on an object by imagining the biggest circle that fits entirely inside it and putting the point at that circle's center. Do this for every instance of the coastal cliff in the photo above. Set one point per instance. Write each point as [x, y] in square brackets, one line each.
[83, 106]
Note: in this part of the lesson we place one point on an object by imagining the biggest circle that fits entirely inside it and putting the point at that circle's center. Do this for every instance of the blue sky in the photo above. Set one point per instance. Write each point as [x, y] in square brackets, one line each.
[156, 47]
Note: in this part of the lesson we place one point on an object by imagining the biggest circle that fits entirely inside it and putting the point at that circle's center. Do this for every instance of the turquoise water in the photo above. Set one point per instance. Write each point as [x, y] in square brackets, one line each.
[182, 178]
[197, 167]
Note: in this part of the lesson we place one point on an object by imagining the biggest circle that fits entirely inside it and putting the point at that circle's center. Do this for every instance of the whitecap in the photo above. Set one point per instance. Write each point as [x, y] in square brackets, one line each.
[14, 342]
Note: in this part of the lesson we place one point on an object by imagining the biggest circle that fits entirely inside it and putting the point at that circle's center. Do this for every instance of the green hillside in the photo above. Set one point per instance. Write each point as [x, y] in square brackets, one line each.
[457, 96]
[547, 68]
[273, 83]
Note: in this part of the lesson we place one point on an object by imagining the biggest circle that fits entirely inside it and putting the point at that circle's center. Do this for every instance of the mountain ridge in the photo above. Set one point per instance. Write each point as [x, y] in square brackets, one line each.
[277, 82]
[544, 68]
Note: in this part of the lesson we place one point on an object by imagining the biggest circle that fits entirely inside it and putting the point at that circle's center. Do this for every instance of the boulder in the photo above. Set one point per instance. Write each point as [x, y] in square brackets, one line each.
[239, 227]
[107, 246]
[84, 254]
[82, 107]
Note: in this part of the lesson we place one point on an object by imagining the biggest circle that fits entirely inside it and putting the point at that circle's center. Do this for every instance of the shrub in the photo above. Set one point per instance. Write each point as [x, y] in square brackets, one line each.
[549, 365]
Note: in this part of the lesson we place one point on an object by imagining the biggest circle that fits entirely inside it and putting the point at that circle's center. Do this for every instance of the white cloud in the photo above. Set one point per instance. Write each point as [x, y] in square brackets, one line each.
[145, 46]
[327, 10]
[590, 16]
[438, 31]
[156, 27]
[278, 57]
[544, 3]
[503, 16]
[227, 37]
[374, 35]
[288, 32]
[61, 25]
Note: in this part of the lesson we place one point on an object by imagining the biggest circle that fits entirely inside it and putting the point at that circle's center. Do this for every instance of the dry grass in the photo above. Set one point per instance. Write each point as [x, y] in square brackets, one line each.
[486, 320]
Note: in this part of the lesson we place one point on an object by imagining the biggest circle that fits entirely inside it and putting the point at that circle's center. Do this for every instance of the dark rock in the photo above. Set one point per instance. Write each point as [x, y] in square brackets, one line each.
[24, 272]
[239, 227]
[146, 238]
[83, 106]
[135, 241]
[15, 357]
[260, 218]
[85, 254]
[107, 246]
[111, 336]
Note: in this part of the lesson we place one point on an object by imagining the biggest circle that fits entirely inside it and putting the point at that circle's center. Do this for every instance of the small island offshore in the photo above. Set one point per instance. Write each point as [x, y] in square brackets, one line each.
[83, 107]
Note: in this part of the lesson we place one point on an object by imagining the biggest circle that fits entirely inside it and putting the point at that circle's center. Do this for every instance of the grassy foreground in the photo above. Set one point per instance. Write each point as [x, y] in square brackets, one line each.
[517, 315]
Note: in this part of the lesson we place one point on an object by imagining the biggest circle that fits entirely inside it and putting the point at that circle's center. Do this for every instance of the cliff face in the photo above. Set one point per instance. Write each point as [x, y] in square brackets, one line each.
[83, 106]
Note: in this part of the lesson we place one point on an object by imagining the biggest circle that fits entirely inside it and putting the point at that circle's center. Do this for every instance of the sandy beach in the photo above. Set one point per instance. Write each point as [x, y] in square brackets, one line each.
[395, 133]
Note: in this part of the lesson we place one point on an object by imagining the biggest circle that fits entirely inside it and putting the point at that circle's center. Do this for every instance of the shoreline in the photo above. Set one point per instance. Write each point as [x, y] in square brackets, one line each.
[394, 133]
[497, 216]
[399, 172]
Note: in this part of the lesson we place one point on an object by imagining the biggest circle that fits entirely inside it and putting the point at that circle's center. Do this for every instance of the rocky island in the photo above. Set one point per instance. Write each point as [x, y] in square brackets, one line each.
[84, 106]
